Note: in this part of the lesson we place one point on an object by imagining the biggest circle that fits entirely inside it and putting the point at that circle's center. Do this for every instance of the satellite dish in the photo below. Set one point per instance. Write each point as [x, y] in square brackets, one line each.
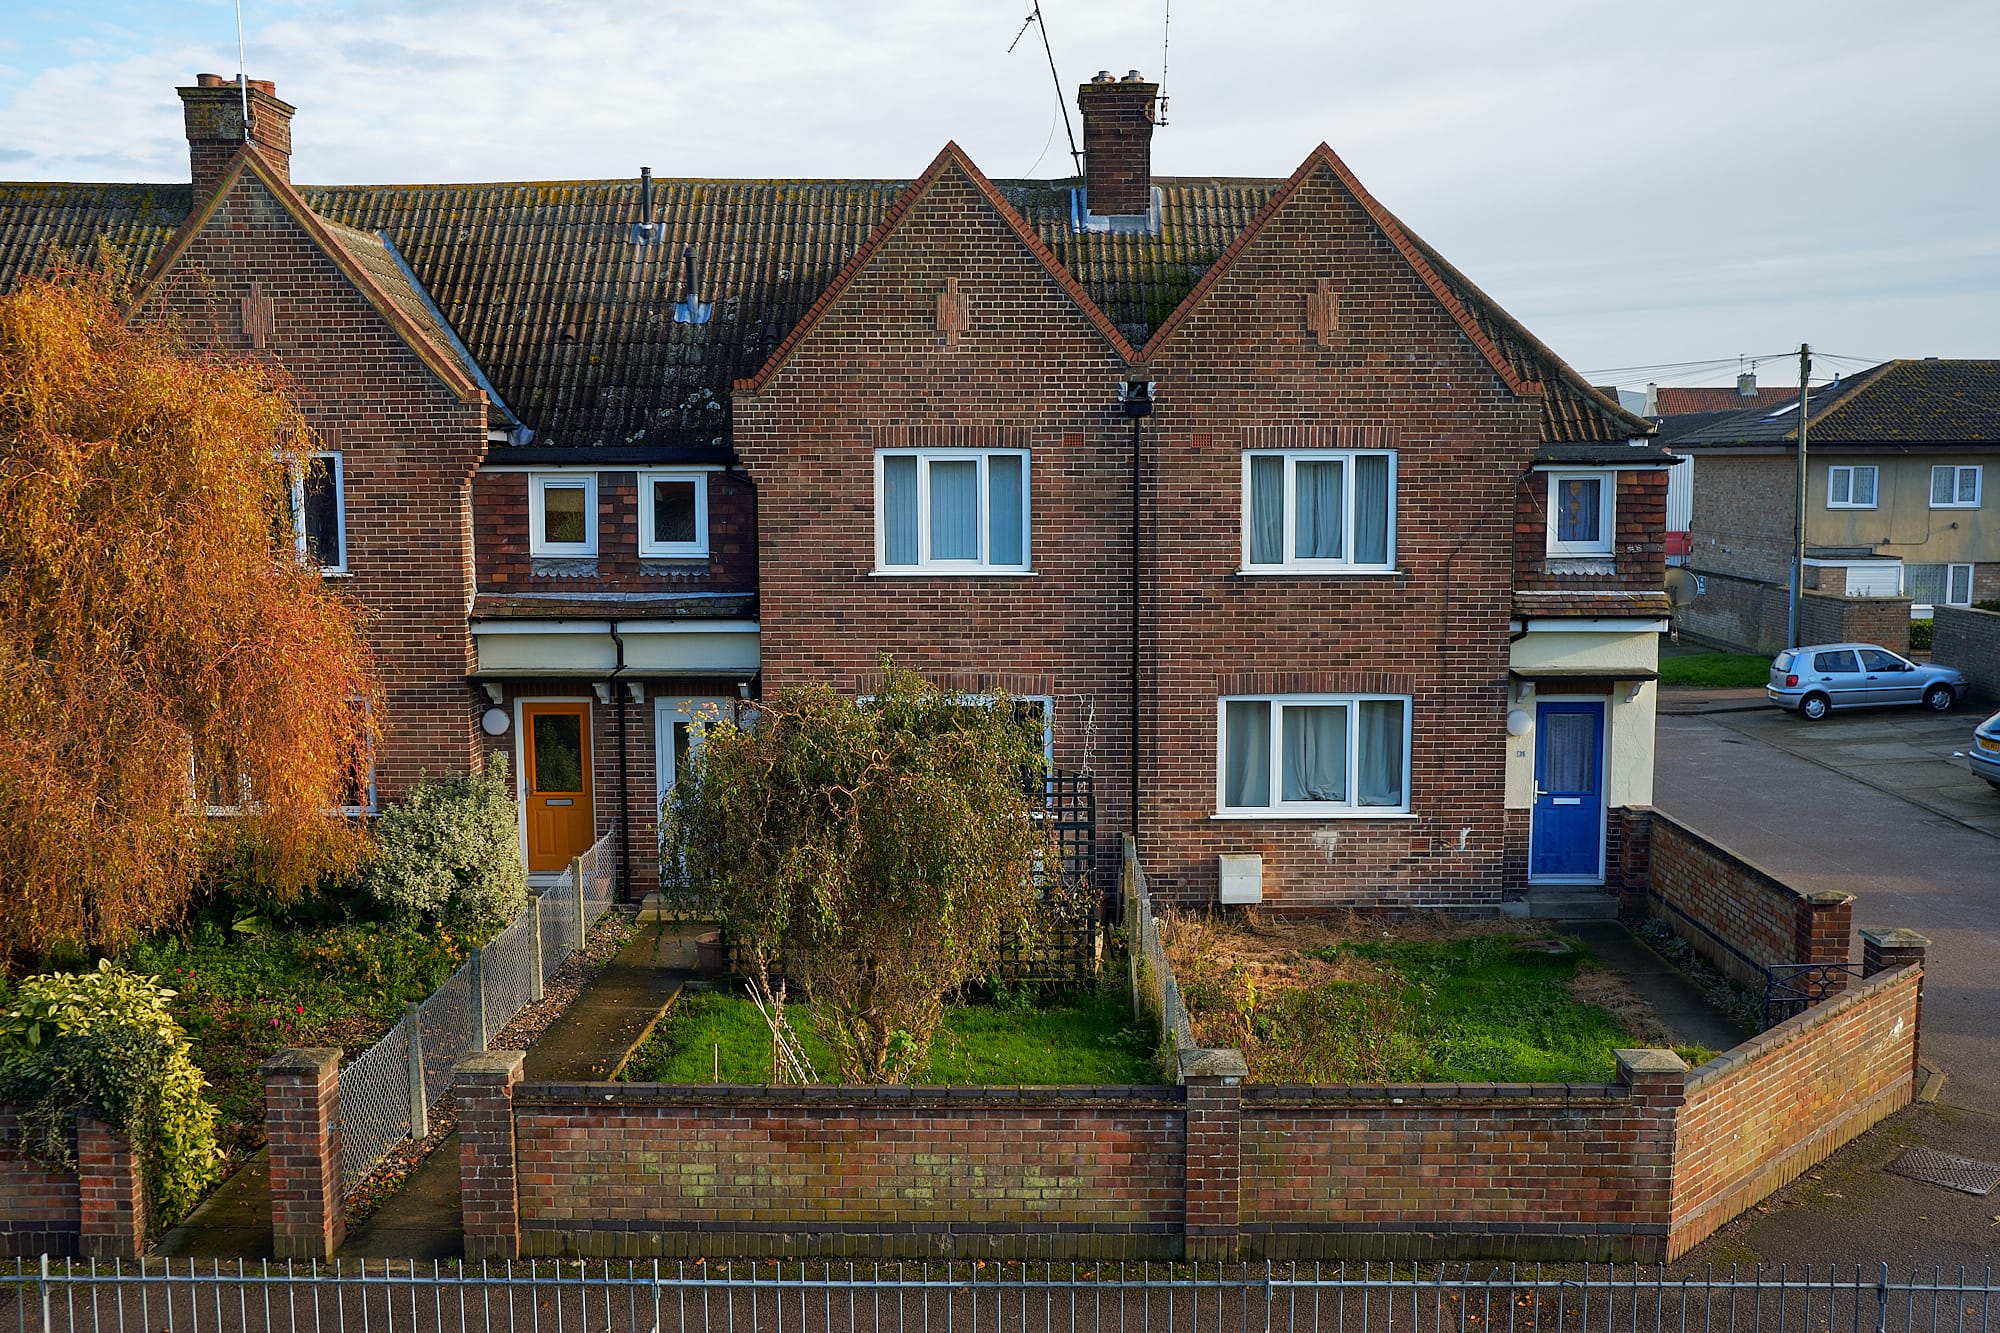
[1680, 586]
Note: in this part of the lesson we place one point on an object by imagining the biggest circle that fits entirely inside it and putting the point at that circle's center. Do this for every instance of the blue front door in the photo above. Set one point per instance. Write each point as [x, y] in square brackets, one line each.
[1567, 839]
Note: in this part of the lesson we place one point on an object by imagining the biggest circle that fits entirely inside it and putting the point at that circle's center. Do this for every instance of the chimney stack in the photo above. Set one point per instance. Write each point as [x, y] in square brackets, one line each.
[214, 111]
[1118, 143]
[1746, 384]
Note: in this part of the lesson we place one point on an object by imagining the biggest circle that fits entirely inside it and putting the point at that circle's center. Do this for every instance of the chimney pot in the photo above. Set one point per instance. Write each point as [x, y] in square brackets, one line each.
[1118, 144]
[1103, 76]
[1133, 76]
[208, 80]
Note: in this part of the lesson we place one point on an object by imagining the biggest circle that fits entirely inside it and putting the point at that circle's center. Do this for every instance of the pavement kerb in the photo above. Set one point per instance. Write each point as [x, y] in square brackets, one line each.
[645, 1034]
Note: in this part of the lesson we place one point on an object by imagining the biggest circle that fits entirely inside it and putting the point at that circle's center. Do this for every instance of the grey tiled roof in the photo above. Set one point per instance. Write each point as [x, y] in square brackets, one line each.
[575, 326]
[1932, 401]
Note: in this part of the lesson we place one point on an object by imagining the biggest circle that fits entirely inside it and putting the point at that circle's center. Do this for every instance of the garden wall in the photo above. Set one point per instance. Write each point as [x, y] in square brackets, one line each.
[1758, 1116]
[1736, 914]
[1969, 640]
[1214, 1168]
[96, 1210]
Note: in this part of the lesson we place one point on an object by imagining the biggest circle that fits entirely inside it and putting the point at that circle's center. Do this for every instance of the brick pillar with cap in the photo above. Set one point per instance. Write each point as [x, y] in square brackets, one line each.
[302, 1128]
[1884, 949]
[111, 1195]
[489, 1189]
[1658, 1080]
[1212, 1082]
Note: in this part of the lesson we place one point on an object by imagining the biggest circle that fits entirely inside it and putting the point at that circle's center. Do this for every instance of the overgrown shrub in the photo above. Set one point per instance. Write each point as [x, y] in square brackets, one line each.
[450, 851]
[103, 1042]
[1920, 636]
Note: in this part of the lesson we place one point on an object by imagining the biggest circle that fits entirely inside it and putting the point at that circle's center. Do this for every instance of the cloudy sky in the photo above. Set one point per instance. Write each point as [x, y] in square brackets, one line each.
[1644, 185]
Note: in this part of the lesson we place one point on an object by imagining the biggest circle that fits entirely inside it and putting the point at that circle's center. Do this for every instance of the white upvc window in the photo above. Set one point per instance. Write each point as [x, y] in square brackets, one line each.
[1850, 487]
[673, 515]
[951, 511]
[562, 514]
[1937, 585]
[1582, 513]
[1319, 510]
[1313, 755]
[1955, 487]
[319, 513]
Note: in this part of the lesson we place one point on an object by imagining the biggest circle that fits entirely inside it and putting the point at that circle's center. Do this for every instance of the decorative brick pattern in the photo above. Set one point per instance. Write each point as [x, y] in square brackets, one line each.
[302, 1128]
[488, 1174]
[1736, 914]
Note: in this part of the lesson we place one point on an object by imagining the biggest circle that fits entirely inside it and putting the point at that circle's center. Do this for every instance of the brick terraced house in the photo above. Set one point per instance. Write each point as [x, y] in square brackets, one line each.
[1343, 587]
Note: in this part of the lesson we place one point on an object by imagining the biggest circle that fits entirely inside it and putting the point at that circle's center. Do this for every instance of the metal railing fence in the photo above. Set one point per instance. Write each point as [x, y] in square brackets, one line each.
[388, 1093]
[816, 1297]
[1156, 992]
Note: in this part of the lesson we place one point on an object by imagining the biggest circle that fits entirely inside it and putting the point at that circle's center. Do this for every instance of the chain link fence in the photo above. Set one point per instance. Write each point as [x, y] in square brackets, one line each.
[389, 1091]
[1156, 993]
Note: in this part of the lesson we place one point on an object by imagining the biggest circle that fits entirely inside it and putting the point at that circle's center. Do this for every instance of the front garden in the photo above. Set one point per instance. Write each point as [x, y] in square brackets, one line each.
[1429, 999]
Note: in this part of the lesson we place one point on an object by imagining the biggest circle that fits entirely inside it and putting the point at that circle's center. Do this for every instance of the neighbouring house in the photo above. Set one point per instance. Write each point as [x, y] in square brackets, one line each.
[1895, 506]
[1342, 587]
[1676, 412]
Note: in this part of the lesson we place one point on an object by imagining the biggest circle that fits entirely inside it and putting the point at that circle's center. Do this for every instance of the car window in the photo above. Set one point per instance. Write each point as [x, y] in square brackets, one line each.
[1784, 662]
[1876, 659]
[1835, 661]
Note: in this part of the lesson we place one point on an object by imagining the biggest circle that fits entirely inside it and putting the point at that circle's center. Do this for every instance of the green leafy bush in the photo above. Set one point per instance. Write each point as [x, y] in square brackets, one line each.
[450, 851]
[1920, 636]
[102, 1042]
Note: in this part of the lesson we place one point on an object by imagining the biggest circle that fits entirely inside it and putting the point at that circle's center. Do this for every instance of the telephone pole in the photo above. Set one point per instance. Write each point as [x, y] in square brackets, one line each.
[1797, 617]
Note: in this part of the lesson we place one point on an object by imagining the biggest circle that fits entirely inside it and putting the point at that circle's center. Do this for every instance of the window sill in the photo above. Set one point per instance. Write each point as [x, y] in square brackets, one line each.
[1314, 572]
[954, 573]
[674, 557]
[1606, 563]
[1961, 506]
[1864, 508]
[1311, 814]
[336, 573]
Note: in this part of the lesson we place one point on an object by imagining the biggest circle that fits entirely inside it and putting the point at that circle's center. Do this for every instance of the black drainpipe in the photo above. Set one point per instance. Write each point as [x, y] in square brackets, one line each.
[1135, 399]
[624, 772]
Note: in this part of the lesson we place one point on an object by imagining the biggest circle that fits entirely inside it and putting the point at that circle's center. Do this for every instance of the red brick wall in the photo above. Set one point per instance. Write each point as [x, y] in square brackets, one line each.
[1970, 641]
[1761, 1115]
[96, 1210]
[1639, 514]
[409, 447]
[1736, 914]
[1830, 619]
[647, 1169]
[1576, 1171]
[500, 525]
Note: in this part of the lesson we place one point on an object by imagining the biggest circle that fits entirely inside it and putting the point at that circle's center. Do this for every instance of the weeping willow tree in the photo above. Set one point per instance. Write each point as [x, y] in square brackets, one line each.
[155, 624]
[879, 850]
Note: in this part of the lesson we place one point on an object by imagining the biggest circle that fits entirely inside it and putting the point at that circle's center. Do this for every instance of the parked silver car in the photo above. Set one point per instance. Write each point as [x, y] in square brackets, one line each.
[1821, 677]
[1985, 751]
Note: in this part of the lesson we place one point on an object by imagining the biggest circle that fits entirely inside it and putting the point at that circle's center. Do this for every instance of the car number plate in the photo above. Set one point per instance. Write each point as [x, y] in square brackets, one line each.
[1988, 744]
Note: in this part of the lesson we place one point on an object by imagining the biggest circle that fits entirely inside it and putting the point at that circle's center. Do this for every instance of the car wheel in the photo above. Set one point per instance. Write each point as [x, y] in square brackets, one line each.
[1939, 698]
[1814, 707]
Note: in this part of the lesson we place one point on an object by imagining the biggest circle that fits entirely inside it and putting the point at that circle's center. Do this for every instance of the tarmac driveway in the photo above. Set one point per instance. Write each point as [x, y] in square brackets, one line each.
[1813, 804]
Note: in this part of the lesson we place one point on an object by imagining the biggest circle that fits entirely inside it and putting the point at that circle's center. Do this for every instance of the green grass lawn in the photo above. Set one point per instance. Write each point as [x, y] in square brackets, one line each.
[1478, 1009]
[1071, 1038]
[245, 997]
[1715, 670]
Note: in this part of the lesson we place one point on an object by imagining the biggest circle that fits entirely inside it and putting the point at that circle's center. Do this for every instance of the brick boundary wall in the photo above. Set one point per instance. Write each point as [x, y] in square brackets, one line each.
[96, 1211]
[1639, 1169]
[1969, 640]
[1761, 1115]
[1824, 618]
[1736, 914]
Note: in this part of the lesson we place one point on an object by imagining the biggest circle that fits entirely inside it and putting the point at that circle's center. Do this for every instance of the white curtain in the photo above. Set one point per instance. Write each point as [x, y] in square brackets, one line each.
[1267, 509]
[1372, 503]
[954, 509]
[1315, 754]
[899, 510]
[1003, 509]
[1246, 775]
[1382, 761]
[1569, 752]
[1322, 508]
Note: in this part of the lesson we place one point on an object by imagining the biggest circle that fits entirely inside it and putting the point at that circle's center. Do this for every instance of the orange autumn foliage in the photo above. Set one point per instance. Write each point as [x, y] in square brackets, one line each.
[153, 613]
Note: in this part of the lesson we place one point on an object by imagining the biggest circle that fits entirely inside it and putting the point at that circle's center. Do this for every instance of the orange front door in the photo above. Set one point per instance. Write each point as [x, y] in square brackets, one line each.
[556, 767]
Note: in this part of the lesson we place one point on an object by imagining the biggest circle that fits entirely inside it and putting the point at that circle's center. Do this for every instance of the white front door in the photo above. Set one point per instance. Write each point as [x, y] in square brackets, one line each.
[677, 732]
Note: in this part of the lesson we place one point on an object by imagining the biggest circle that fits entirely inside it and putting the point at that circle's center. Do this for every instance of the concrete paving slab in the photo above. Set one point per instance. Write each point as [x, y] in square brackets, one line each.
[1682, 1008]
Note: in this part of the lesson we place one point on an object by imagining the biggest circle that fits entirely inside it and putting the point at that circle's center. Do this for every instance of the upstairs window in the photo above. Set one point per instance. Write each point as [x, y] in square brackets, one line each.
[1954, 487]
[1319, 509]
[1850, 487]
[953, 511]
[319, 513]
[1314, 755]
[562, 514]
[1581, 517]
[673, 515]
